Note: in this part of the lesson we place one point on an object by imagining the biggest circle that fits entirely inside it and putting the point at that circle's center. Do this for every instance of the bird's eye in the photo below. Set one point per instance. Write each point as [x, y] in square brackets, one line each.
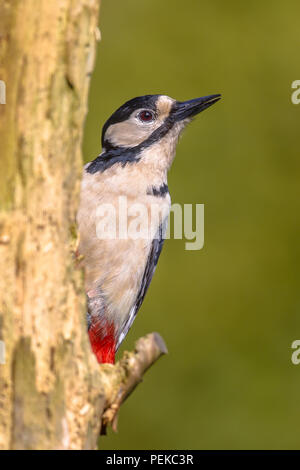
[146, 116]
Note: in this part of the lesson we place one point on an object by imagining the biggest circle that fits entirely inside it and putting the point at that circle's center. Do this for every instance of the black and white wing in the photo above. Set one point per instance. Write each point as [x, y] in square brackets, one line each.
[155, 250]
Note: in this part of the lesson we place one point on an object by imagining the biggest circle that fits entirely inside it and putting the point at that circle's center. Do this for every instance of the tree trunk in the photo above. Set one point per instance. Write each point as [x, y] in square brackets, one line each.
[52, 392]
[46, 56]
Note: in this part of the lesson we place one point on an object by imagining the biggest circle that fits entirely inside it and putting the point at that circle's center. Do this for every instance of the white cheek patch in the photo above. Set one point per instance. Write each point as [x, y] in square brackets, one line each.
[127, 133]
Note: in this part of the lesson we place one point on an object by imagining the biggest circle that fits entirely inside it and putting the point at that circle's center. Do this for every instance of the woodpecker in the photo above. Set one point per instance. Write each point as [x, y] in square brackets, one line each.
[138, 147]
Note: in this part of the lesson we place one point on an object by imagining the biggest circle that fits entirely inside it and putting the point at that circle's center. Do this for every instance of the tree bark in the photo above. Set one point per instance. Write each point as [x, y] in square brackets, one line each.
[52, 391]
[46, 56]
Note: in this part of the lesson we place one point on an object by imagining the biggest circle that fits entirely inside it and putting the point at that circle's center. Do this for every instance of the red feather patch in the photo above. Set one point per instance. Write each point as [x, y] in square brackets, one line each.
[102, 338]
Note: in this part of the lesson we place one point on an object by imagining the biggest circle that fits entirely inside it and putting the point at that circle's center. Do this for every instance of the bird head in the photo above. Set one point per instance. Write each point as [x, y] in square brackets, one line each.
[147, 119]
[147, 129]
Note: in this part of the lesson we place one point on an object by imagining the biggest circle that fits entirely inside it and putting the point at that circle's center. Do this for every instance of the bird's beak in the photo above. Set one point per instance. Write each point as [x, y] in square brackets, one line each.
[189, 109]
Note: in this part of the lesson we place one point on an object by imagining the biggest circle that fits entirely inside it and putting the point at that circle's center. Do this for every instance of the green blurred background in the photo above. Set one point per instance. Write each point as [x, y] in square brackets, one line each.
[229, 312]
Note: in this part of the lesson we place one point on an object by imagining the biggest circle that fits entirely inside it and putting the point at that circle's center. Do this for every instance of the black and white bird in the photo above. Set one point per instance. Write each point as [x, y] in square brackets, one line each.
[138, 147]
